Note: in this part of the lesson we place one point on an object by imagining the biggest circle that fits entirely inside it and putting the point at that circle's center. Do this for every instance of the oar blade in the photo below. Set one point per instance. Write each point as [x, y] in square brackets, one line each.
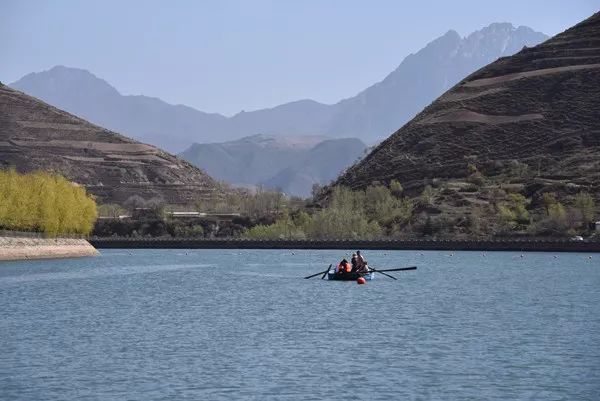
[313, 275]
[316, 274]
[326, 271]
[385, 274]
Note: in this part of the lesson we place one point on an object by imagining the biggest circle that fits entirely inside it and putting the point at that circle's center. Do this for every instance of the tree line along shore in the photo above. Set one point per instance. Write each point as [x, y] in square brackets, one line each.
[476, 208]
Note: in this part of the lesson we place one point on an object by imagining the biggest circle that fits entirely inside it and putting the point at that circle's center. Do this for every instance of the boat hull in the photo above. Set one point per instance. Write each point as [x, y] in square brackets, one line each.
[349, 276]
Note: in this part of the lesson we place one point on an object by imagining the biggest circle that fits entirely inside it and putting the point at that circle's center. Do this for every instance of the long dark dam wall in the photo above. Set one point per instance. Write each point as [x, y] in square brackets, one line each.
[440, 245]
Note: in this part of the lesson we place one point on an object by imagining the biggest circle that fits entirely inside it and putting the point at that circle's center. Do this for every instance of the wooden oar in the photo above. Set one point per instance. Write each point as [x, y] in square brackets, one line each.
[323, 276]
[316, 274]
[398, 269]
[385, 274]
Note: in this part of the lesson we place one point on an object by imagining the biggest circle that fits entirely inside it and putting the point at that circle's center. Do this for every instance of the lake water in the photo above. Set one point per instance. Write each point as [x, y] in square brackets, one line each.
[222, 324]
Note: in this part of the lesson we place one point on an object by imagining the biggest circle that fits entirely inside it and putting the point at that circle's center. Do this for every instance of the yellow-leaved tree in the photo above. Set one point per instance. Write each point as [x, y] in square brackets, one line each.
[44, 202]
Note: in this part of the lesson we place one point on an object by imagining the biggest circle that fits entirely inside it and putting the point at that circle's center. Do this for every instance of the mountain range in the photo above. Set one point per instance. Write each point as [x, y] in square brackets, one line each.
[370, 116]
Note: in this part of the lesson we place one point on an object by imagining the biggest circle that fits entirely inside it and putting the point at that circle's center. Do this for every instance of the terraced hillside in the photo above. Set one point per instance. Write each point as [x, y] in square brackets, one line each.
[532, 119]
[37, 136]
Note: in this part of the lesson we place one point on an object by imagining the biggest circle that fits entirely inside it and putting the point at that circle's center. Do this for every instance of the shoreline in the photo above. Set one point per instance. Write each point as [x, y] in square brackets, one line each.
[416, 245]
[14, 248]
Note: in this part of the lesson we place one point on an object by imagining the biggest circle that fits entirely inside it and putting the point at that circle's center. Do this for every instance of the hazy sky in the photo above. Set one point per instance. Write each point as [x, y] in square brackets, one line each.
[225, 56]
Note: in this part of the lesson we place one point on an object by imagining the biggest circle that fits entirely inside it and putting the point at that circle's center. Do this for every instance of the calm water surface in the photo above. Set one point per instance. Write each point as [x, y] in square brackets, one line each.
[213, 324]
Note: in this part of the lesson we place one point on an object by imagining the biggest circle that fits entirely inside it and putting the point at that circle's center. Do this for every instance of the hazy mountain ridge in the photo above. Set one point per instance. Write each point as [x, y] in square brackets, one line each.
[144, 118]
[292, 164]
[371, 115]
[321, 165]
[421, 77]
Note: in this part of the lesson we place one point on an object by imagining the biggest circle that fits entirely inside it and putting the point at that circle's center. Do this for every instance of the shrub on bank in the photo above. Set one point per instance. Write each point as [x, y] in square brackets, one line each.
[348, 215]
[46, 203]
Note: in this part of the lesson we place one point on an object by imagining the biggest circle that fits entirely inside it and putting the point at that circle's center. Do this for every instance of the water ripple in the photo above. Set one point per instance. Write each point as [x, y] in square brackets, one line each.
[221, 325]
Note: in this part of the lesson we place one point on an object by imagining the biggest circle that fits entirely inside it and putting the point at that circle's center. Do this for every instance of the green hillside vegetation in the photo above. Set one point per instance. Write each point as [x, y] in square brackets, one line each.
[378, 211]
[245, 209]
[478, 207]
[44, 202]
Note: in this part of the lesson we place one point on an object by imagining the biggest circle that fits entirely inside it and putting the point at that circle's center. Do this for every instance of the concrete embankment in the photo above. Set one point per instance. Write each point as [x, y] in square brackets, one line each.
[25, 248]
[545, 245]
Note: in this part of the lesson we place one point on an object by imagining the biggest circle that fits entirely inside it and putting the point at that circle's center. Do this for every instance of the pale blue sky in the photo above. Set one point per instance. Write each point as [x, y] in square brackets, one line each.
[225, 55]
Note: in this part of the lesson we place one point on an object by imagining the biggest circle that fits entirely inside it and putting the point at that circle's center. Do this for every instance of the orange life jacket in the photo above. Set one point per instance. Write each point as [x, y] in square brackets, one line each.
[344, 267]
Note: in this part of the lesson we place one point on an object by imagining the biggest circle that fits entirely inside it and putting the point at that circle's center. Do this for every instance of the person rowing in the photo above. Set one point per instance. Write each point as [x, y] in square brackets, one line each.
[354, 262]
[361, 264]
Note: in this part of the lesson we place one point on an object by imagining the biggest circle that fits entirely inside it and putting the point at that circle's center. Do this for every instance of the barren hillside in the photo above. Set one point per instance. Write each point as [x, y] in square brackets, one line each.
[514, 146]
[37, 136]
[540, 107]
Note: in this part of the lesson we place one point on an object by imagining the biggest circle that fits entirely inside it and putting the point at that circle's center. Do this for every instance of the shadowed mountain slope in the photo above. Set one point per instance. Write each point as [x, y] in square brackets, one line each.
[37, 136]
[538, 109]
[290, 163]
[321, 165]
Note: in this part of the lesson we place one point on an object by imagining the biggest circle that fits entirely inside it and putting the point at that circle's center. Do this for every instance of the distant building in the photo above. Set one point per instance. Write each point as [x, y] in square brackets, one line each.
[186, 215]
[204, 216]
[598, 226]
[119, 217]
[143, 213]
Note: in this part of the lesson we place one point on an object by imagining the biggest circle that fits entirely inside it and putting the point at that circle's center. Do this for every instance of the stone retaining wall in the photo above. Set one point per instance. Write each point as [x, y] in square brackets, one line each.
[418, 244]
[24, 248]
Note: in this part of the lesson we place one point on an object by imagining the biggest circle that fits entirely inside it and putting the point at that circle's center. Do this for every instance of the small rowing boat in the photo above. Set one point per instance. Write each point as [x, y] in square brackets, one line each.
[350, 276]
[332, 275]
